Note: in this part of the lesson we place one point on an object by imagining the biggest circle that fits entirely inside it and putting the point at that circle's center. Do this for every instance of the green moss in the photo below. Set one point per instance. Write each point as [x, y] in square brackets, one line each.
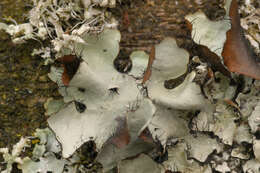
[14, 9]
[22, 92]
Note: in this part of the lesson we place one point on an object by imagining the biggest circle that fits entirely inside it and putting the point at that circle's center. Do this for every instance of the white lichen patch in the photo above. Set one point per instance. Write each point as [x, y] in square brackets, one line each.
[38, 151]
[139, 62]
[45, 154]
[256, 148]
[251, 24]
[53, 106]
[225, 128]
[64, 22]
[14, 156]
[222, 167]
[203, 121]
[171, 62]
[102, 3]
[97, 69]
[140, 118]
[45, 53]
[254, 119]
[178, 161]
[111, 155]
[186, 96]
[43, 157]
[243, 134]
[48, 139]
[221, 123]
[111, 98]
[187, 117]
[141, 164]
[201, 146]
[208, 33]
[48, 163]
[240, 152]
[220, 162]
[248, 102]
[167, 124]
[251, 166]
[20, 33]
[221, 89]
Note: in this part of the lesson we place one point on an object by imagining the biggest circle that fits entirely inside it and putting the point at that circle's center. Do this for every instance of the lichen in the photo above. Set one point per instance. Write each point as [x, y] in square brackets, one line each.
[205, 121]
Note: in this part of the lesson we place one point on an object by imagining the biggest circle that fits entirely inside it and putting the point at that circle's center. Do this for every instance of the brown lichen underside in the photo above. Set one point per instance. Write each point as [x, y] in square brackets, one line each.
[121, 137]
[206, 55]
[236, 53]
[148, 71]
[147, 22]
[70, 65]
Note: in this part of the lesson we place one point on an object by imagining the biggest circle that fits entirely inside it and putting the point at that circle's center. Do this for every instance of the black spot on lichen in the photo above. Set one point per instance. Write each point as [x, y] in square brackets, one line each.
[123, 63]
[80, 107]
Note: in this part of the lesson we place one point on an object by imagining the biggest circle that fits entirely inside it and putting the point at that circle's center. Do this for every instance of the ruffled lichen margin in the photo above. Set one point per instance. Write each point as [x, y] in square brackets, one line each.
[126, 115]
